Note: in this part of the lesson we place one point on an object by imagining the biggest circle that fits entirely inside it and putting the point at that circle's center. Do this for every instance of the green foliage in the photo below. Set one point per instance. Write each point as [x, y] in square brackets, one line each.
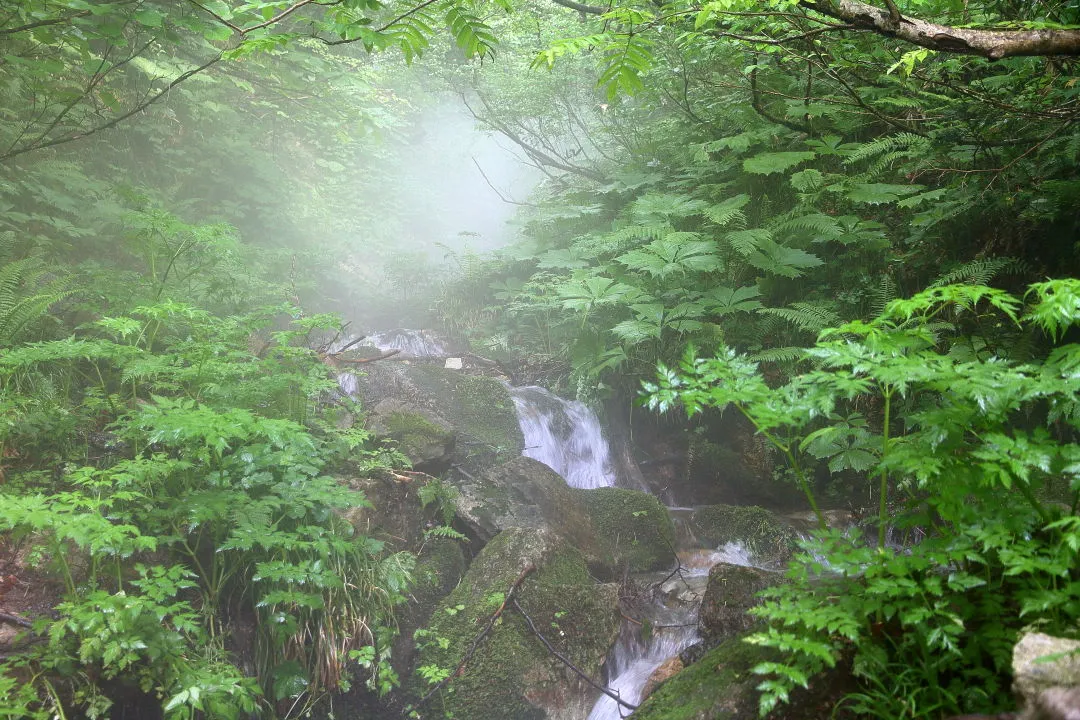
[929, 627]
[214, 470]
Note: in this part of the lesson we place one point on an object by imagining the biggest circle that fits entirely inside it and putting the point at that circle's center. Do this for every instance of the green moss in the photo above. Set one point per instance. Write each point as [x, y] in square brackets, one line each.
[632, 528]
[757, 528]
[719, 686]
[577, 616]
[416, 436]
[479, 407]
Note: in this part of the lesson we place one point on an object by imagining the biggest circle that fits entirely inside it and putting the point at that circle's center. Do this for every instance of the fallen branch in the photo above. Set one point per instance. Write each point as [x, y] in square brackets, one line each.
[350, 344]
[15, 620]
[361, 361]
[460, 669]
[561, 658]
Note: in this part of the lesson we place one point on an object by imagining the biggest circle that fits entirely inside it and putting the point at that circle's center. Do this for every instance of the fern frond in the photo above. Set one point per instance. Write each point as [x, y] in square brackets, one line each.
[811, 317]
[881, 294]
[779, 355]
[908, 143]
[978, 272]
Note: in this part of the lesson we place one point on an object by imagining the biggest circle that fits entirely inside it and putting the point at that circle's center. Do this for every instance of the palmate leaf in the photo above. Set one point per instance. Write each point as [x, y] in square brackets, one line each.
[780, 260]
[676, 253]
[667, 205]
[776, 162]
[724, 300]
[586, 293]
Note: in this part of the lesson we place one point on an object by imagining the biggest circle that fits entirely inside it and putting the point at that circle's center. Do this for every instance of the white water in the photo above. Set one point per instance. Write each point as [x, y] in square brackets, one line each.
[411, 343]
[632, 663]
[564, 435]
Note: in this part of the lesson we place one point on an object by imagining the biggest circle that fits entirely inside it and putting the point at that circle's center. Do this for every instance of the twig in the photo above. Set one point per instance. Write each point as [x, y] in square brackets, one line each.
[350, 344]
[558, 656]
[480, 638]
[491, 185]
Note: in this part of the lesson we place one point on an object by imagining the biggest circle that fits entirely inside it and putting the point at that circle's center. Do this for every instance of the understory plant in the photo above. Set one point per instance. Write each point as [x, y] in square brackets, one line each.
[968, 443]
[198, 510]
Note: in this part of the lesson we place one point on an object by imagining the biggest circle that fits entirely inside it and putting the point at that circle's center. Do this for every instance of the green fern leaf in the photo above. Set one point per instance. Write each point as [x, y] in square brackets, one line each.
[776, 162]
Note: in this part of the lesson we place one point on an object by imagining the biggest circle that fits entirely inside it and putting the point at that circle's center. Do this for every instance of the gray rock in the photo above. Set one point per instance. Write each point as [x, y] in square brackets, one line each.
[421, 435]
[1046, 675]
[730, 594]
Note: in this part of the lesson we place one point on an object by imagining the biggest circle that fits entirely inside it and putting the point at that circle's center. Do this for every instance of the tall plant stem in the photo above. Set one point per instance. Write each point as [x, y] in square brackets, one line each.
[883, 489]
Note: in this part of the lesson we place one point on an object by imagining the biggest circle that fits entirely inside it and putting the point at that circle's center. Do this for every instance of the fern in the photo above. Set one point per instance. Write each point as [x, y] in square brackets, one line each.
[978, 272]
[811, 317]
[780, 355]
[908, 143]
[728, 212]
[745, 242]
[882, 294]
[25, 294]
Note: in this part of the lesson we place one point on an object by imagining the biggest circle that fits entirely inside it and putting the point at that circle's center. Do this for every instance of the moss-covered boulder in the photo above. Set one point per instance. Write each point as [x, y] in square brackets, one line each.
[478, 407]
[522, 493]
[767, 537]
[720, 686]
[731, 592]
[511, 675]
[632, 529]
[612, 527]
[420, 434]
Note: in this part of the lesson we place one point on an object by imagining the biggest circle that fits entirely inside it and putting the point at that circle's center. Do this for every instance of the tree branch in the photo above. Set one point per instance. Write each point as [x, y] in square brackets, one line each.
[581, 7]
[990, 43]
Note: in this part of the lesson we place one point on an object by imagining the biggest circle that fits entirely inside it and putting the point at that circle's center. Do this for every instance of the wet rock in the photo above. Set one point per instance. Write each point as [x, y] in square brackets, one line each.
[511, 675]
[522, 493]
[614, 528]
[667, 670]
[1046, 676]
[478, 408]
[633, 529]
[421, 435]
[768, 538]
[731, 592]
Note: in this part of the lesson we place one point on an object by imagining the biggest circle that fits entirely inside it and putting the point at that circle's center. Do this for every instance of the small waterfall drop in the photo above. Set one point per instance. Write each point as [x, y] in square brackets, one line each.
[565, 435]
[411, 343]
[632, 662]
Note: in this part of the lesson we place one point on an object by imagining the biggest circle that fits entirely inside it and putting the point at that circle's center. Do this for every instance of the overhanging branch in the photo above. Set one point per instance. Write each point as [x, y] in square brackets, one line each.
[990, 43]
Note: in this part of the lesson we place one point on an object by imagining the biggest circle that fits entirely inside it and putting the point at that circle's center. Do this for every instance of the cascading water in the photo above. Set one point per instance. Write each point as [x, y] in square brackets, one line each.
[408, 343]
[411, 343]
[633, 662]
[564, 435]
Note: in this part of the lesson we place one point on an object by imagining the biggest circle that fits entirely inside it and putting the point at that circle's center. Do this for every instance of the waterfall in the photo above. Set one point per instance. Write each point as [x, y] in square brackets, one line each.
[411, 343]
[632, 662]
[564, 435]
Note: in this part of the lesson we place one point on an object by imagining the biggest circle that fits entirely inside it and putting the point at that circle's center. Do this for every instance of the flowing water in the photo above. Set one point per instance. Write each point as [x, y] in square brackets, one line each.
[565, 435]
[411, 343]
[632, 661]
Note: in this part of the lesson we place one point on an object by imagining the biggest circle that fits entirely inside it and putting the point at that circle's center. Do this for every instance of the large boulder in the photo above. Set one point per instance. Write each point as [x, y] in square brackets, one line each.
[420, 434]
[730, 594]
[769, 539]
[633, 530]
[510, 674]
[478, 408]
[614, 528]
[521, 493]
[1046, 676]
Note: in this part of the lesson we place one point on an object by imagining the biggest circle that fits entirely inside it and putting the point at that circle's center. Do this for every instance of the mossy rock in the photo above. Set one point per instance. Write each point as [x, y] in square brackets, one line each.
[632, 529]
[730, 593]
[768, 538]
[479, 408]
[421, 435]
[719, 686]
[511, 675]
